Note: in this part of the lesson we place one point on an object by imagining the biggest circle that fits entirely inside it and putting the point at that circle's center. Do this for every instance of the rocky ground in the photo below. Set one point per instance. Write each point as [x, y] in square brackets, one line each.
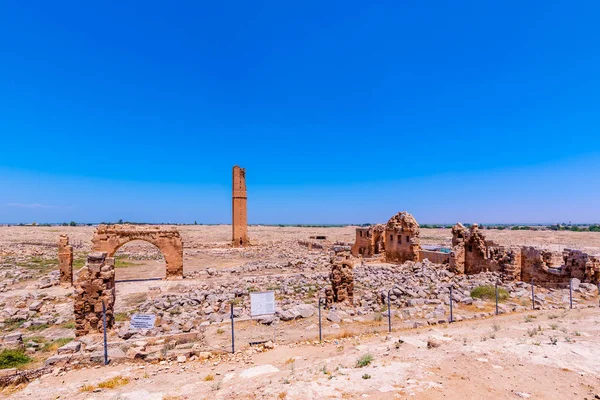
[192, 331]
[537, 355]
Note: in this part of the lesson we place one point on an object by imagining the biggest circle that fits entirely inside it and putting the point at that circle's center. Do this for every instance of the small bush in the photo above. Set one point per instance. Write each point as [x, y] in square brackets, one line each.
[13, 358]
[364, 360]
[209, 377]
[488, 292]
[366, 376]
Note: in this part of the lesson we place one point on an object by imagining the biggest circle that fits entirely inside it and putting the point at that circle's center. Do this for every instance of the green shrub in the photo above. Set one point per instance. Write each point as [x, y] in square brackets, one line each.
[488, 292]
[364, 360]
[13, 358]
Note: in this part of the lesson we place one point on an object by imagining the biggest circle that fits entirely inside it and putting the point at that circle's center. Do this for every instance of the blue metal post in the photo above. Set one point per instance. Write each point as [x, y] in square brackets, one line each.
[104, 326]
[232, 332]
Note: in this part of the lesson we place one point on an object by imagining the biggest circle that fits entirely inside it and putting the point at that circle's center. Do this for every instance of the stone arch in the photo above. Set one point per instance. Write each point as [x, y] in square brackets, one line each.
[109, 238]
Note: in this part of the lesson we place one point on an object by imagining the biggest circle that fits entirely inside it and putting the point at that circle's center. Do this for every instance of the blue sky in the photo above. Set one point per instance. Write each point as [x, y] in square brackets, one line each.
[341, 112]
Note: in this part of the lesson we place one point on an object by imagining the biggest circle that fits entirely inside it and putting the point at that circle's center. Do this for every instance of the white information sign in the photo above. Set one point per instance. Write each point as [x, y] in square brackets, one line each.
[142, 321]
[262, 303]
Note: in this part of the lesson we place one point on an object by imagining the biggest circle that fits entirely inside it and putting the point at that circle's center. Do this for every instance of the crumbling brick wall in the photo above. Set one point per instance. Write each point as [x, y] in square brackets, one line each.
[582, 266]
[370, 241]
[402, 238]
[457, 255]
[95, 284]
[475, 251]
[342, 279]
[65, 260]
[109, 238]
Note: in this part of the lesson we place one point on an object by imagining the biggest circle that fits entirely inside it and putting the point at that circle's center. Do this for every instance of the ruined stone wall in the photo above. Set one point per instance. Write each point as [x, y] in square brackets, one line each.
[436, 257]
[239, 211]
[109, 238]
[475, 251]
[474, 254]
[402, 238]
[582, 266]
[65, 260]
[95, 283]
[369, 241]
[457, 255]
[342, 279]
[543, 266]
[505, 260]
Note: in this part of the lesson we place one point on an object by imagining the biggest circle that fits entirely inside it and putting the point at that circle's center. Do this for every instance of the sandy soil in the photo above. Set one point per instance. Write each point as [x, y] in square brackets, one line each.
[502, 357]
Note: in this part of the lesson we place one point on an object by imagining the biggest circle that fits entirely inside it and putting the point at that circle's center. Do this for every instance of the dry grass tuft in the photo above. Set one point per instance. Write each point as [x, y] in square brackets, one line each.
[107, 384]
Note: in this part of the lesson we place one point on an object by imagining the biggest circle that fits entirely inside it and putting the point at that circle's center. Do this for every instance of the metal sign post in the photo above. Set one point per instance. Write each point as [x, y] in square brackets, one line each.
[451, 316]
[232, 332]
[532, 295]
[389, 313]
[496, 297]
[571, 293]
[104, 327]
[320, 330]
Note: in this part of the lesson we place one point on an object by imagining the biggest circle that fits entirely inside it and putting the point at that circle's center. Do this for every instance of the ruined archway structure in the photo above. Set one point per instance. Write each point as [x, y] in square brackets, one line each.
[109, 238]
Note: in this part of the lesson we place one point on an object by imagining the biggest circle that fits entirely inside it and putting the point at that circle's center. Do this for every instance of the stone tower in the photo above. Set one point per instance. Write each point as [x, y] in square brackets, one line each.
[239, 210]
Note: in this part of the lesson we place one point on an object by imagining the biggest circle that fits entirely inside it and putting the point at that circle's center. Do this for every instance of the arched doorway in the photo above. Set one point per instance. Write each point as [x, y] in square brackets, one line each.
[110, 238]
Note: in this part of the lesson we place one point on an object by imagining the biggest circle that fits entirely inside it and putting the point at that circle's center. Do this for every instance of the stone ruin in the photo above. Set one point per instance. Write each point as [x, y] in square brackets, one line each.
[341, 277]
[402, 238]
[65, 260]
[95, 284]
[370, 241]
[109, 238]
[239, 198]
[472, 253]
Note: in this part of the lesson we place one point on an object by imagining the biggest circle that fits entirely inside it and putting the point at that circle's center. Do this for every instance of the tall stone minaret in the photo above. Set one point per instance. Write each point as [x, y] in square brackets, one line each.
[239, 216]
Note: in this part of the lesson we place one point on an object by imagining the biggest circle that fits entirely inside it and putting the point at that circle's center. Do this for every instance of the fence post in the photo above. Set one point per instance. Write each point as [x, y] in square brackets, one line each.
[532, 295]
[320, 331]
[571, 293]
[104, 327]
[389, 313]
[232, 332]
[451, 300]
[496, 297]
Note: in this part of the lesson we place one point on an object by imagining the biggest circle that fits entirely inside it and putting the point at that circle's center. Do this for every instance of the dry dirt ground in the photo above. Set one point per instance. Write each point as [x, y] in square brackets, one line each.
[538, 355]
[541, 354]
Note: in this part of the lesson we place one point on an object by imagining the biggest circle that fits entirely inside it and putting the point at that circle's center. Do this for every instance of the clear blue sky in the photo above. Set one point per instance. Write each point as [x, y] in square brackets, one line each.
[341, 112]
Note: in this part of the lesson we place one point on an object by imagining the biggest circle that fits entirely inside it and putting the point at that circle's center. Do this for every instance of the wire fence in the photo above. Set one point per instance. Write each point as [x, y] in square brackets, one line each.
[389, 318]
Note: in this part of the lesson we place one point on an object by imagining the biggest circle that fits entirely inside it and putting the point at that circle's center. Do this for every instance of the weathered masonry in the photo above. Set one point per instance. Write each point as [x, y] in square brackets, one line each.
[65, 260]
[95, 285]
[370, 241]
[402, 238]
[109, 238]
[239, 211]
[472, 253]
